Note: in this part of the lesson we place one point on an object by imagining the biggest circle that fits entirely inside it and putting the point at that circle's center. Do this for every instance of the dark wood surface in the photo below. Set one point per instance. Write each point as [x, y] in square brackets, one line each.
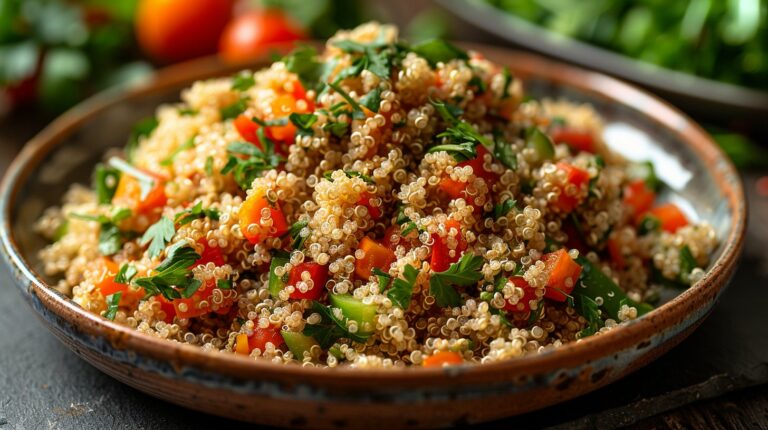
[716, 378]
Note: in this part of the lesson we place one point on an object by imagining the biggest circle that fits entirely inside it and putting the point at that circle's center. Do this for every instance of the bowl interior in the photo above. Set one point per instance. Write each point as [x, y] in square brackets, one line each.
[628, 130]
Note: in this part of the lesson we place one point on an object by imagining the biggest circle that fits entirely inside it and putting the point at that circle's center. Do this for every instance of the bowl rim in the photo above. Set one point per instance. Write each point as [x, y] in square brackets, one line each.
[569, 355]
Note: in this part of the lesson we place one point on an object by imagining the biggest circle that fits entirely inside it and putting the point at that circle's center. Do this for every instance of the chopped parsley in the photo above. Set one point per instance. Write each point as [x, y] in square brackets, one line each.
[141, 129]
[303, 123]
[209, 165]
[243, 81]
[464, 273]
[125, 274]
[188, 144]
[186, 111]
[270, 122]
[478, 83]
[330, 328]
[111, 238]
[402, 289]
[648, 224]
[295, 232]
[503, 208]
[245, 170]
[350, 174]
[224, 284]
[338, 129]
[590, 310]
[196, 212]
[113, 302]
[173, 275]
[311, 72]
[508, 78]
[158, 235]
[357, 110]
[687, 263]
[439, 51]
[463, 136]
[372, 100]
[105, 180]
[233, 110]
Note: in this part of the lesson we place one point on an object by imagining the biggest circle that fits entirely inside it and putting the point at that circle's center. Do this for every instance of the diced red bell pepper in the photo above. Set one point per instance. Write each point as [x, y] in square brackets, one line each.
[250, 213]
[210, 254]
[563, 275]
[441, 255]
[190, 307]
[614, 251]
[247, 129]
[638, 197]
[476, 163]
[529, 294]
[317, 273]
[261, 336]
[576, 139]
[576, 176]
[167, 307]
[670, 216]
[365, 200]
[376, 256]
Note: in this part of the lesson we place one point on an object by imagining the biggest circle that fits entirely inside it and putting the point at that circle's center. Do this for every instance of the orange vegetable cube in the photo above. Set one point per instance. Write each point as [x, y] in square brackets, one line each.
[638, 196]
[670, 216]
[376, 255]
[577, 177]
[252, 213]
[563, 275]
[443, 358]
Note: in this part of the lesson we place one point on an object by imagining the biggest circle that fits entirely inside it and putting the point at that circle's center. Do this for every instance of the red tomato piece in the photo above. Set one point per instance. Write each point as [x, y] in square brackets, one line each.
[441, 255]
[574, 176]
[529, 295]
[638, 196]
[670, 216]
[614, 250]
[253, 33]
[261, 336]
[476, 163]
[365, 200]
[247, 129]
[576, 139]
[317, 273]
[210, 254]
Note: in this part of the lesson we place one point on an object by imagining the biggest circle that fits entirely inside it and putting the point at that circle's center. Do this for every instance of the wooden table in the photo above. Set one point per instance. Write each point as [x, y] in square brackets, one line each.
[715, 378]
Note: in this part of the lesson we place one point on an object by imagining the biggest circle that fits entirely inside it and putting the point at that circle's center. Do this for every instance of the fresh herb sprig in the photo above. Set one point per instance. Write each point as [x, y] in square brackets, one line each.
[462, 136]
[196, 212]
[464, 273]
[402, 289]
[173, 277]
[158, 235]
[256, 160]
[111, 238]
[330, 328]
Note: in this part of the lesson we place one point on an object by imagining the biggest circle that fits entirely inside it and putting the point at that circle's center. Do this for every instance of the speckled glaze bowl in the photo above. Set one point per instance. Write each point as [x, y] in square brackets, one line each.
[638, 125]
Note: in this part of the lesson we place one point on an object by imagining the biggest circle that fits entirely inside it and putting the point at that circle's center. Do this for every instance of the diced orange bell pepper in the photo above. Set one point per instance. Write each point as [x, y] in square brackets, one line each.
[563, 275]
[576, 139]
[241, 344]
[443, 358]
[128, 194]
[251, 214]
[455, 189]
[108, 286]
[638, 197]
[167, 307]
[614, 250]
[282, 106]
[575, 176]
[376, 256]
[441, 258]
[529, 294]
[670, 216]
[317, 273]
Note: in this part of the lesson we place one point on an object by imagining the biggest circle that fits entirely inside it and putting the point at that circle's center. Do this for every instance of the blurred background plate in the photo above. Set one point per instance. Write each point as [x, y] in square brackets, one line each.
[705, 98]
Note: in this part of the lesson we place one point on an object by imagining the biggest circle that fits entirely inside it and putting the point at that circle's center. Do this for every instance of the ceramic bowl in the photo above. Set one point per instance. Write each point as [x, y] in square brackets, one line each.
[638, 125]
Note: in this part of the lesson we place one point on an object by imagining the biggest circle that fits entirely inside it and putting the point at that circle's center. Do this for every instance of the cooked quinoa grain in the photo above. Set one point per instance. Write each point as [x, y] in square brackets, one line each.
[375, 205]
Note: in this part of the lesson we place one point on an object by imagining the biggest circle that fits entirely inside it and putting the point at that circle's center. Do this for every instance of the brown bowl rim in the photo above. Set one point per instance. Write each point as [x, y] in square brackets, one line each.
[569, 355]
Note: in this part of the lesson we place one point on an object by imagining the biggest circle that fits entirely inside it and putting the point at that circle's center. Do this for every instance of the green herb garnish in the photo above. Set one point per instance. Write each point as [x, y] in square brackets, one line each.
[372, 100]
[196, 212]
[503, 208]
[295, 232]
[158, 235]
[188, 144]
[243, 81]
[233, 110]
[224, 284]
[146, 182]
[257, 161]
[105, 180]
[463, 273]
[125, 274]
[439, 51]
[141, 129]
[463, 136]
[303, 123]
[330, 328]
[402, 289]
[173, 274]
[113, 302]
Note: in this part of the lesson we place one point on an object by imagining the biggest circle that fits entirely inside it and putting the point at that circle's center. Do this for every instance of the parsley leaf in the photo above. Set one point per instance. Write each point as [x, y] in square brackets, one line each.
[350, 174]
[125, 274]
[105, 180]
[402, 289]
[503, 208]
[243, 81]
[113, 302]
[295, 232]
[224, 284]
[141, 129]
[687, 263]
[189, 144]
[464, 273]
[196, 212]
[463, 136]
[590, 310]
[303, 123]
[233, 110]
[338, 129]
[257, 161]
[172, 272]
[357, 110]
[372, 100]
[187, 111]
[330, 328]
[209, 166]
[504, 152]
[110, 236]
[311, 72]
[158, 235]
[508, 78]
[439, 51]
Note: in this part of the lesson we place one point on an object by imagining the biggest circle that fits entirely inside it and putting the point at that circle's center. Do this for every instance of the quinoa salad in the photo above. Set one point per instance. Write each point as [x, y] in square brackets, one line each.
[378, 204]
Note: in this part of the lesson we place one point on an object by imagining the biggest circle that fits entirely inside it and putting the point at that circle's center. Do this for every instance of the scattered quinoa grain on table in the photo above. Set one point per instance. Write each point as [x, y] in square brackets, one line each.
[379, 204]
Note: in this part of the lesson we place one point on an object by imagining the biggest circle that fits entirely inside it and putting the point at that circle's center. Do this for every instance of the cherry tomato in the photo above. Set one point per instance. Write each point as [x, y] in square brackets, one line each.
[175, 30]
[250, 35]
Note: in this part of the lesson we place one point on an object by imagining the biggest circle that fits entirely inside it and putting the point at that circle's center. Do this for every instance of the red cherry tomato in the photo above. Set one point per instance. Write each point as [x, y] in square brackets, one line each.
[250, 35]
[175, 30]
